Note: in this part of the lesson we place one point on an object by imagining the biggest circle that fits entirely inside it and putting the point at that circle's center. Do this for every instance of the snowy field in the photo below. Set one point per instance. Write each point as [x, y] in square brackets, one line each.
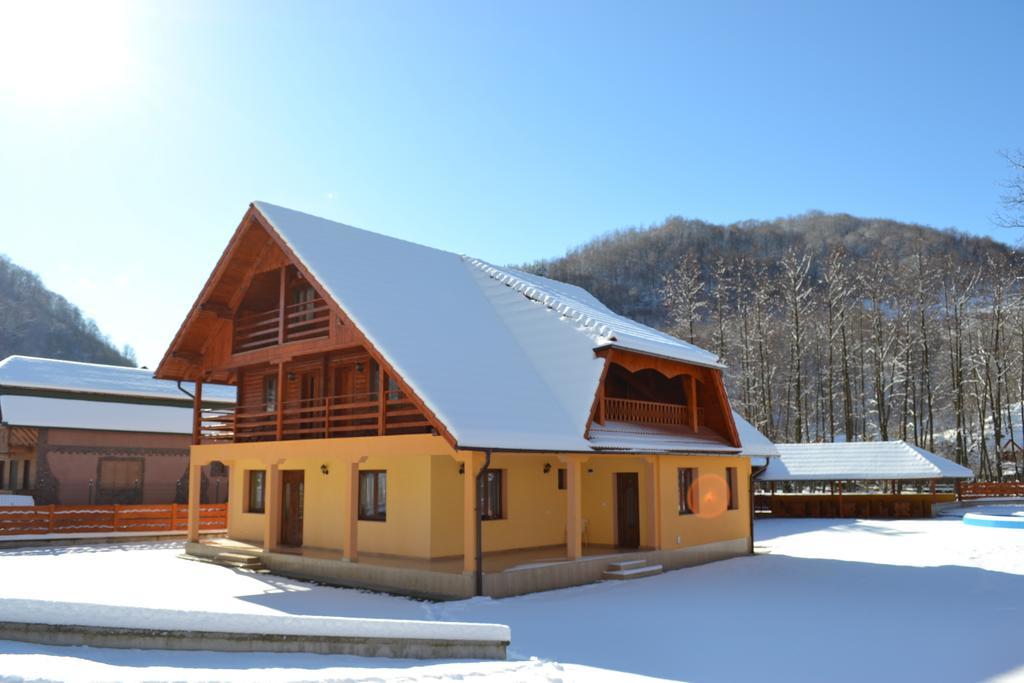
[838, 600]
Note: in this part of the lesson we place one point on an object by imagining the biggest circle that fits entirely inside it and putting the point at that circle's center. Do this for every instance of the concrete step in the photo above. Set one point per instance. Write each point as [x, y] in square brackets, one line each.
[239, 560]
[626, 564]
[634, 573]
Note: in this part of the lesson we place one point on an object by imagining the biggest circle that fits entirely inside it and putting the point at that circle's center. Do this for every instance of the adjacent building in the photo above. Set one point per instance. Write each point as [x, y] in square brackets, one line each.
[416, 420]
[82, 433]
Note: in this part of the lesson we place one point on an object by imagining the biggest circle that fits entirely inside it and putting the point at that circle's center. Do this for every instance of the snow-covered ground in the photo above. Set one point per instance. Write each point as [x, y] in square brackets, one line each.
[840, 600]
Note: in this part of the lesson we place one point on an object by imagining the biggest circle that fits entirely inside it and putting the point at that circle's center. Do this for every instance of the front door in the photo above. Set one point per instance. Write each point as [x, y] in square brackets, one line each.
[292, 494]
[627, 508]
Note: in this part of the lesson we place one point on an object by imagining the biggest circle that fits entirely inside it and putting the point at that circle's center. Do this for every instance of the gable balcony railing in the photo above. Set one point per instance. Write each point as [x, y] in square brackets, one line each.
[649, 412]
[317, 418]
[305, 320]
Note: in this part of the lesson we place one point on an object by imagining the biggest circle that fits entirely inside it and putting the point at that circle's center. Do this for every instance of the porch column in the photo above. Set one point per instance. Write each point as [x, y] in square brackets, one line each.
[350, 504]
[651, 495]
[195, 479]
[272, 508]
[197, 413]
[574, 505]
[471, 464]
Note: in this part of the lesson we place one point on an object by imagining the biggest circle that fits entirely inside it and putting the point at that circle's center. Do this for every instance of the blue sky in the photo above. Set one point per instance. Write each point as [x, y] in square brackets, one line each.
[133, 136]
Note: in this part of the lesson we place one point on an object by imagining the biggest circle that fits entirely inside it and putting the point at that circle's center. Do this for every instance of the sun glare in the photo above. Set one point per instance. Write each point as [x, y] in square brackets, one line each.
[56, 51]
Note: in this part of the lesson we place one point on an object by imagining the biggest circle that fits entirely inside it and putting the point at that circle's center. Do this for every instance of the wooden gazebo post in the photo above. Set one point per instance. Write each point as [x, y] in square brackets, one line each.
[839, 490]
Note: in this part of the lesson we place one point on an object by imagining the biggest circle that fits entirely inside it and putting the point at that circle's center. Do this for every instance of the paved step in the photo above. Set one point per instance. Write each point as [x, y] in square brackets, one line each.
[626, 564]
[634, 573]
[240, 560]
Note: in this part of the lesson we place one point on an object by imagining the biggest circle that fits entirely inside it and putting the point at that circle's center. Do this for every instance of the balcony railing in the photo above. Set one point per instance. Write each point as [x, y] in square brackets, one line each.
[649, 412]
[317, 418]
[306, 320]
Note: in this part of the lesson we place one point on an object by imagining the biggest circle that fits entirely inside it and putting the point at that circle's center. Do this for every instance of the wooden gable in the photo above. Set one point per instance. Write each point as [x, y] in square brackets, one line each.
[202, 349]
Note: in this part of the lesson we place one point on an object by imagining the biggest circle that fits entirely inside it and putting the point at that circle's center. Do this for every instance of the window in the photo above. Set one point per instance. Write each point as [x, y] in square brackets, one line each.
[373, 495]
[257, 491]
[12, 474]
[304, 298]
[561, 478]
[493, 499]
[120, 481]
[687, 490]
[26, 469]
[730, 479]
[270, 393]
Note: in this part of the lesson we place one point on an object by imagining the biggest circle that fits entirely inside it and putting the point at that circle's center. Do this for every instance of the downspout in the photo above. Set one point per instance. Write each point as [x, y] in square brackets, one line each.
[479, 523]
[185, 391]
[754, 472]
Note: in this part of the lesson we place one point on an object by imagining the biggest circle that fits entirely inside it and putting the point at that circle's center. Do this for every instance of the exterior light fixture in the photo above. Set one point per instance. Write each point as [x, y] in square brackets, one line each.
[462, 468]
[359, 367]
[291, 376]
[324, 469]
[547, 467]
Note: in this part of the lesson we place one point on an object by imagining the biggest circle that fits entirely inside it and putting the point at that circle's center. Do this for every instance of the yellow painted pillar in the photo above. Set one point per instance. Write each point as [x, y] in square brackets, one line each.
[272, 508]
[574, 506]
[350, 504]
[471, 464]
[652, 528]
[195, 479]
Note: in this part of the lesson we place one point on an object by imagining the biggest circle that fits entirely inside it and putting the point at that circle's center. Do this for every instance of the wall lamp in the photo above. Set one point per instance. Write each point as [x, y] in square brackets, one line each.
[547, 467]
[462, 468]
[324, 469]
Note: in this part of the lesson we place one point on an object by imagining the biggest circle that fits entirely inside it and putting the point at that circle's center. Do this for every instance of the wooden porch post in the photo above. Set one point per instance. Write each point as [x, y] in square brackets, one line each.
[931, 487]
[282, 302]
[693, 403]
[195, 478]
[272, 508]
[280, 401]
[471, 466]
[839, 489]
[350, 504]
[574, 506]
[197, 414]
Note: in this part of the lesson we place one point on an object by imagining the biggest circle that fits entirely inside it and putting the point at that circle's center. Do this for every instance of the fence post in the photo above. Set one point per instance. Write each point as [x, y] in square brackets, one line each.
[116, 520]
[49, 525]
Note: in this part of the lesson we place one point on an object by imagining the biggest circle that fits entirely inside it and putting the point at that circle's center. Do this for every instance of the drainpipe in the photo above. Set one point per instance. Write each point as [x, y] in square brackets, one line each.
[185, 391]
[479, 523]
[750, 490]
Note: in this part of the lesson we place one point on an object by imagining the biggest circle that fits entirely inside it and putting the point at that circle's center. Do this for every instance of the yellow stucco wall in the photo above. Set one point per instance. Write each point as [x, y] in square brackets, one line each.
[425, 496]
[712, 522]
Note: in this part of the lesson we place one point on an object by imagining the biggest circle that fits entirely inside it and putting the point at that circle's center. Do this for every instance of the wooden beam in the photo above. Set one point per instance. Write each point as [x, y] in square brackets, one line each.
[281, 299]
[382, 398]
[195, 478]
[190, 357]
[279, 408]
[692, 401]
[222, 311]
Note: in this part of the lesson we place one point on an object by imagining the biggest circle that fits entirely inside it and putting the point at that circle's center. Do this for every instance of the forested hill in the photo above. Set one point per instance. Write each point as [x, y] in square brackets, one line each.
[37, 322]
[625, 269]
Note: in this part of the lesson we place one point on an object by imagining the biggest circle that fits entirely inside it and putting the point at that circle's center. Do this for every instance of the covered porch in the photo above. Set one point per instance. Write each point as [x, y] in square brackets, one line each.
[538, 511]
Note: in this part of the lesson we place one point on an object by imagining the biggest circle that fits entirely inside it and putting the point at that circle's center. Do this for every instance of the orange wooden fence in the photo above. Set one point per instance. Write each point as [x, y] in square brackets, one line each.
[76, 519]
[863, 505]
[990, 489]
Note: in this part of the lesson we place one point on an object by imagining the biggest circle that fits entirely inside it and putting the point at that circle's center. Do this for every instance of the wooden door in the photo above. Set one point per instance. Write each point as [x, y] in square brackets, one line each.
[344, 381]
[627, 508]
[292, 495]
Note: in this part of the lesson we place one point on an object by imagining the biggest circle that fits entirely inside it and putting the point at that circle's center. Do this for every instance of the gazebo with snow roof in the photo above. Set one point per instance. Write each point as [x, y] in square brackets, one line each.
[862, 462]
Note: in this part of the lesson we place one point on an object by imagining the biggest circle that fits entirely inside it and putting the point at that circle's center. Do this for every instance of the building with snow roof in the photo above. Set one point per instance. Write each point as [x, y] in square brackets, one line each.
[76, 433]
[415, 420]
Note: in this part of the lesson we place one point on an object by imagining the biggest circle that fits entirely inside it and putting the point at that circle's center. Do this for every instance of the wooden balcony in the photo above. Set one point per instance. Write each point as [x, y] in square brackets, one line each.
[648, 412]
[302, 321]
[318, 418]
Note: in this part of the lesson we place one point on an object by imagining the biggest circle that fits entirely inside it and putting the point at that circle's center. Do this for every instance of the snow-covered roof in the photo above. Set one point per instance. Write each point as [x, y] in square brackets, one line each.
[43, 411]
[504, 359]
[861, 460]
[63, 376]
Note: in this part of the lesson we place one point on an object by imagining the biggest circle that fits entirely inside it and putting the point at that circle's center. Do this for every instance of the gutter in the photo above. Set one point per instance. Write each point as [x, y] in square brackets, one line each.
[754, 472]
[479, 524]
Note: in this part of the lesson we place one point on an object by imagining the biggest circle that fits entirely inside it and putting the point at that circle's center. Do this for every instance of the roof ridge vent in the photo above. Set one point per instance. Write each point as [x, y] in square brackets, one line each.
[533, 292]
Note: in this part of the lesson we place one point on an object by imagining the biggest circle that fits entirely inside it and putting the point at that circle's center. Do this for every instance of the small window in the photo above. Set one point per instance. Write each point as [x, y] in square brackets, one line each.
[687, 490]
[270, 393]
[493, 499]
[561, 478]
[730, 479]
[373, 495]
[257, 491]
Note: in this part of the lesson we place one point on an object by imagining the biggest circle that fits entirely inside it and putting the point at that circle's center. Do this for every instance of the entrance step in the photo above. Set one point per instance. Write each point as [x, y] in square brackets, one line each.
[631, 569]
[240, 561]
